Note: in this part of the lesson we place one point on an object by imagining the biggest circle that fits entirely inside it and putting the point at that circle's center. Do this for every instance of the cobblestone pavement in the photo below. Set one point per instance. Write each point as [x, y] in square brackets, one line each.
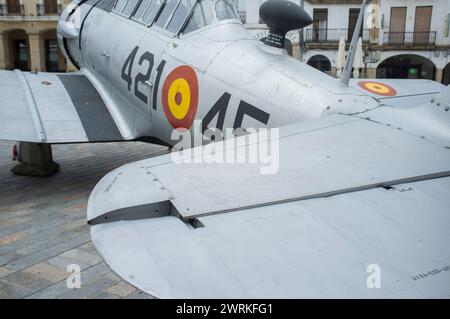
[43, 224]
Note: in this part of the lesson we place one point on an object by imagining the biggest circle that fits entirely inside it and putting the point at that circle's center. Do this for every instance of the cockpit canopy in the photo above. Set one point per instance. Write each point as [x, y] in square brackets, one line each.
[178, 16]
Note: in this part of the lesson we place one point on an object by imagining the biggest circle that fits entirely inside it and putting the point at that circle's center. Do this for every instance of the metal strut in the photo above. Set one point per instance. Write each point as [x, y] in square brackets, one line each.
[352, 50]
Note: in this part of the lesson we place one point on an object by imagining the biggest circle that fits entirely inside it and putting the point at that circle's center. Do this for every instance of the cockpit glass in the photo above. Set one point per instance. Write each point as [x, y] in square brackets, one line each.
[129, 7]
[225, 10]
[166, 13]
[201, 17]
[141, 10]
[208, 11]
[119, 5]
[152, 11]
[180, 15]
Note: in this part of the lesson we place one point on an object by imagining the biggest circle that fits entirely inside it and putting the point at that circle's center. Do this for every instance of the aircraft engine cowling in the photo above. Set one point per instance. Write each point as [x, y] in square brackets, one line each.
[68, 31]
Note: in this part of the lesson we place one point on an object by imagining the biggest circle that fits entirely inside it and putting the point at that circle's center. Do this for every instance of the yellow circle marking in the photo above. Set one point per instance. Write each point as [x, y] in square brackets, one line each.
[179, 111]
[377, 88]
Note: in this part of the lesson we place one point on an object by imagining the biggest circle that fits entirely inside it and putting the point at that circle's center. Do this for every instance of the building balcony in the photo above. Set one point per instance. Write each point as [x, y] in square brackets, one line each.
[409, 40]
[348, 2]
[330, 37]
[9, 10]
[45, 9]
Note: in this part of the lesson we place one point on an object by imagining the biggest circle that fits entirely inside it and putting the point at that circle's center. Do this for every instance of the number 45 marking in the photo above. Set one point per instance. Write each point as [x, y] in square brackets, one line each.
[245, 109]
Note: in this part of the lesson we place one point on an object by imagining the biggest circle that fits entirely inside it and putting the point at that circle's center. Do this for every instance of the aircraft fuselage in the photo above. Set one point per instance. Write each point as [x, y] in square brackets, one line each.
[154, 81]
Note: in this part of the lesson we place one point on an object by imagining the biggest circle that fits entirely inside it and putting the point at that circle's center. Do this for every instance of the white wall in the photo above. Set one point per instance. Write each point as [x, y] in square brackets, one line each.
[338, 19]
[252, 8]
[338, 14]
[441, 8]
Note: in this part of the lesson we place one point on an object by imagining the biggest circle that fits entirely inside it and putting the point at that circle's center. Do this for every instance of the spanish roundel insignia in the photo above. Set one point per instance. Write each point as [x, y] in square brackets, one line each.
[378, 88]
[180, 97]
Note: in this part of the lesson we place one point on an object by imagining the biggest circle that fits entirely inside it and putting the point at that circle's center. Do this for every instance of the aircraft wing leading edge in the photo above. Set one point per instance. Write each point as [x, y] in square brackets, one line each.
[53, 108]
[350, 194]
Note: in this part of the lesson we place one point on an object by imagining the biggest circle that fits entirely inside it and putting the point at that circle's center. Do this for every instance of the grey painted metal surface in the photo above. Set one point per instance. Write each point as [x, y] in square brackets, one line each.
[31, 101]
[350, 193]
[225, 58]
[60, 120]
[38, 108]
[318, 248]
[94, 115]
[16, 119]
[409, 92]
[260, 235]
[336, 205]
[329, 158]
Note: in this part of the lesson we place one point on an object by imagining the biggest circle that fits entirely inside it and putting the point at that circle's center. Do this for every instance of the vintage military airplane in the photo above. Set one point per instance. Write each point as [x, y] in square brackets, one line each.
[364, 173]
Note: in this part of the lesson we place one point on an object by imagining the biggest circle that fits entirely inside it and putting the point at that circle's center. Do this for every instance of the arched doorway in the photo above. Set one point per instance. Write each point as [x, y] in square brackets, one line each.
[287, 45]
[320, 62]
[54, 61]
[446, 75]
[18, 49]
[406, 66]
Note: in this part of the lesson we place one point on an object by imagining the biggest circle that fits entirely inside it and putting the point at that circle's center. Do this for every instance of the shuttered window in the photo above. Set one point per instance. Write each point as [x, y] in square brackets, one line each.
[13, 6]
[320, 24]
[397, 25]
[422, 24]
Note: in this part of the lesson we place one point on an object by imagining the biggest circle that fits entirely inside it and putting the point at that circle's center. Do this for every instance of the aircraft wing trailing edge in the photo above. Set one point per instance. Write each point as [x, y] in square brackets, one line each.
[53, 108]
[353, 198]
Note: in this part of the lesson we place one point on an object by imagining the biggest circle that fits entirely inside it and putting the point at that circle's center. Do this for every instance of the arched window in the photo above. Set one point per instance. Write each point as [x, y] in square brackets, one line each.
[406, 66]
[320, 62]
[19, 50]
[446, 75]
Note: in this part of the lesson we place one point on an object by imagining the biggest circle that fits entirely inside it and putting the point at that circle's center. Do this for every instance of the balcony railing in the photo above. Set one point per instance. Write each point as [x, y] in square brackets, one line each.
[333, 35]
[45, 9]
[10, 10]
[403, 39]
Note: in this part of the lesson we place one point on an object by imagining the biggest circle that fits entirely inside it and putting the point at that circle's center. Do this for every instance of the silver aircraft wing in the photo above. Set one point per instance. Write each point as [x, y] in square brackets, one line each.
[398, 92]
[53, 108]
[352, 196]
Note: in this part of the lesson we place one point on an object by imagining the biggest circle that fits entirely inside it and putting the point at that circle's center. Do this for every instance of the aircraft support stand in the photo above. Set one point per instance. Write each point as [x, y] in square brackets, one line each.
[36, 159]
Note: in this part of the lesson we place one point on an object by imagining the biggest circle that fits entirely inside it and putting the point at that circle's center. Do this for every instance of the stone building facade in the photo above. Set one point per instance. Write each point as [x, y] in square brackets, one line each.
[401, 38]
[28, 35]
